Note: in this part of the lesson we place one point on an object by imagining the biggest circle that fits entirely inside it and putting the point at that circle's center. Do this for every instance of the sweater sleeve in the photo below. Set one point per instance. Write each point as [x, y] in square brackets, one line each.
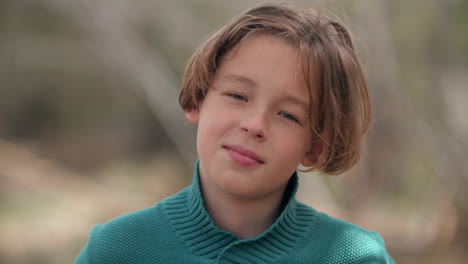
[84, 256]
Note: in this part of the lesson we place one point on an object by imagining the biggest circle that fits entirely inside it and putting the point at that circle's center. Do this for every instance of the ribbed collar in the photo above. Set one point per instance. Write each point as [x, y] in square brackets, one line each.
[191, 222]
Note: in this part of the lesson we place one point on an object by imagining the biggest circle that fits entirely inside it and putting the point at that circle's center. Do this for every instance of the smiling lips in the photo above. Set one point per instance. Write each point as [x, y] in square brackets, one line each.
[243, 156]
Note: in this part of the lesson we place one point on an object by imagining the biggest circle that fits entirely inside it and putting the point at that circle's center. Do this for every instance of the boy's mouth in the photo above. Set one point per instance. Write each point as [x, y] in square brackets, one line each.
[243, 155]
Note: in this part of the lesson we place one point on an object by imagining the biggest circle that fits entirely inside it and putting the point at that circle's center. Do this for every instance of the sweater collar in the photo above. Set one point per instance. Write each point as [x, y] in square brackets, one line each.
[190, 220]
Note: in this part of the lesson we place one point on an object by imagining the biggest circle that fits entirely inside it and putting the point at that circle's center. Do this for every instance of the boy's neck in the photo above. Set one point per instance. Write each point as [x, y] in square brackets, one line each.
[243, 218]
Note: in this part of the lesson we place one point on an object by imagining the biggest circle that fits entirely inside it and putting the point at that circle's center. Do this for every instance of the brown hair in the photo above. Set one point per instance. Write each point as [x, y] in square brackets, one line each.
[339, 100]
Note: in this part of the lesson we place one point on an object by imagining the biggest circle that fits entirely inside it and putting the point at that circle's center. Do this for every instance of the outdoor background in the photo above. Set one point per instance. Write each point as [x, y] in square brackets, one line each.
[90, 126]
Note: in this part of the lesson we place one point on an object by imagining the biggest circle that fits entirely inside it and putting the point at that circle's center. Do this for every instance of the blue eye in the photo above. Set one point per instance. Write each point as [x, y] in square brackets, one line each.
[289, 117]
[238, 97]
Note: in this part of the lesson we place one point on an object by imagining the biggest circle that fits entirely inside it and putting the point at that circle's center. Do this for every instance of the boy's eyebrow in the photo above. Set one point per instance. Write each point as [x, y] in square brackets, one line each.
[239, 78]
[297, 101]
[249, 82]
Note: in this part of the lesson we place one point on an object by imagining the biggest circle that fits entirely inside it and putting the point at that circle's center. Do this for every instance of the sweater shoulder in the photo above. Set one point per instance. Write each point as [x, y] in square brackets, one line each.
[136, 225]
[113, 241]
[344, 242]
[118, 240]
[124, 226]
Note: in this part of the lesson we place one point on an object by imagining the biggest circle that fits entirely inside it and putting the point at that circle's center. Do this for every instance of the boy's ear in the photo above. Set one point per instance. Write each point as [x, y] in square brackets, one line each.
[312, 155]
[192, 115]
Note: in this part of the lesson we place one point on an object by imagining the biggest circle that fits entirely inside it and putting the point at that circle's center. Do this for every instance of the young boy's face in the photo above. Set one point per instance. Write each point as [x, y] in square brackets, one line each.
[253, 124]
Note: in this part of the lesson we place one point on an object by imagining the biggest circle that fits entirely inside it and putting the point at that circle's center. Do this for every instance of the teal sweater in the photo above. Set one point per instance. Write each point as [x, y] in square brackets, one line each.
[179, 230]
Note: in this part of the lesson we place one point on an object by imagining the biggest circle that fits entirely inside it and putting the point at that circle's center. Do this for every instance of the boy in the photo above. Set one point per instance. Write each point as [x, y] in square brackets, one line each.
[276, 87]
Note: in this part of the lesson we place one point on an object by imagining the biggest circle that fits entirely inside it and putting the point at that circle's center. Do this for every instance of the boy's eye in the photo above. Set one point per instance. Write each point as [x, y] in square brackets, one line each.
[289, 117]
[237, 97]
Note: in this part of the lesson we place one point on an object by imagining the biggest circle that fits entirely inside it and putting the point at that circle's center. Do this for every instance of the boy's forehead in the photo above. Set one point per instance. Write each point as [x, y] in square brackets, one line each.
[262, 46]
[303, 55]
[250, 46]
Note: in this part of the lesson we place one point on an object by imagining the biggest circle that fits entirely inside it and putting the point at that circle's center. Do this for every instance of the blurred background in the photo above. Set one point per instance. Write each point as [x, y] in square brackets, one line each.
[90, 126]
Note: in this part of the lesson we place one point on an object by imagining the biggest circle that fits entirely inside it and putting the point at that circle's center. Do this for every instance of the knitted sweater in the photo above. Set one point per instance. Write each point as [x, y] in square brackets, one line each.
[179, 230]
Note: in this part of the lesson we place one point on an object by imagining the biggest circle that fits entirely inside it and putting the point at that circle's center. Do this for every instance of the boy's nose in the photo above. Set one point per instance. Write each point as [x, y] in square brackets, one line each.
[255, 126]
